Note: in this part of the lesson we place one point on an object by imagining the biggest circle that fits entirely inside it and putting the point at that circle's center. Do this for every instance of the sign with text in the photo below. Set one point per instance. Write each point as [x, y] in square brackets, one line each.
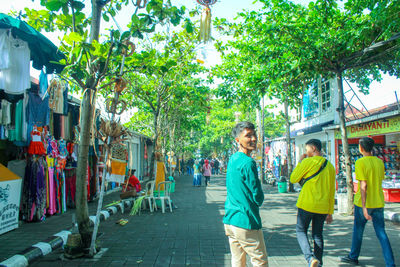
[10, 194]
[383, 126]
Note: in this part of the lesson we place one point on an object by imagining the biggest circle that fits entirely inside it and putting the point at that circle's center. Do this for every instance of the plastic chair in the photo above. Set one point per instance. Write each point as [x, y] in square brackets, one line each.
[150, 195]
[165, 197]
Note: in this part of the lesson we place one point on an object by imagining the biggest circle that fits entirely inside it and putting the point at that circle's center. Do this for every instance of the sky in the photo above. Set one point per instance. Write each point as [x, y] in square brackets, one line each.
[380, 93]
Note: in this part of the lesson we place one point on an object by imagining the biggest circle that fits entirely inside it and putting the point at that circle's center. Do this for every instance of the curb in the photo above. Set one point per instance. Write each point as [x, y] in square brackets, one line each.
[58, 240]
[392, 216]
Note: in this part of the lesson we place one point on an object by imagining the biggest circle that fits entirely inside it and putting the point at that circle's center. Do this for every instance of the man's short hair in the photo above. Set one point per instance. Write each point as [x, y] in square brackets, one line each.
[239, 128]
[315, 143]
[367, 143]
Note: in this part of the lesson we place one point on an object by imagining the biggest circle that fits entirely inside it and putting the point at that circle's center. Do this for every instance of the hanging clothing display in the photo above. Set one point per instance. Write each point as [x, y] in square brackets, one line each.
[62, 149]
[70, 186]
[37, 110]
[43, 84]
[118, 164]
[34, 191]
[60, 186]
[4, 50]
[52, 148]
[51, 193]
[15, 79]
[56, 93]
[11, 97]
[36, 146]
[5, 112]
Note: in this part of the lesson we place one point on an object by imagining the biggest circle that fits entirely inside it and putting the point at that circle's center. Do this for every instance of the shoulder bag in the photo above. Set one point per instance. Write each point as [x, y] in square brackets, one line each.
[303, 181]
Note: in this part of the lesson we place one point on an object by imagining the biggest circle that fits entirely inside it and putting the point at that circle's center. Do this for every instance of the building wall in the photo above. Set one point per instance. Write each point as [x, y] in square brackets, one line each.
[321, 116]
[328, 144]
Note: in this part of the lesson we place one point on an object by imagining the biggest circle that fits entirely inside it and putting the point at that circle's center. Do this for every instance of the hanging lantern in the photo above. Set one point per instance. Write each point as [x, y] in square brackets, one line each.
[205, 20]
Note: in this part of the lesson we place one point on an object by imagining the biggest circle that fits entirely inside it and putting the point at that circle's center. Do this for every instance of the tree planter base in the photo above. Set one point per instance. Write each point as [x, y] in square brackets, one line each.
[74, 249]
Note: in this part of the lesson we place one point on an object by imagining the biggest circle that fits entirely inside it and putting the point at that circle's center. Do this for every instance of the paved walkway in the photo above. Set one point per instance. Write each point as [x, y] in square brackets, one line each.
[193, 234]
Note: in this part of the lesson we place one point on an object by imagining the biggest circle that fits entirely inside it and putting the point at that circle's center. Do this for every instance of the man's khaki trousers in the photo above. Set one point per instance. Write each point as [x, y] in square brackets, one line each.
[250, 242]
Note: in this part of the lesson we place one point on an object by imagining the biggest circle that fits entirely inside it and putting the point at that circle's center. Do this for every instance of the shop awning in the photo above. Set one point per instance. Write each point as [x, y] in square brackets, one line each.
[43, 51]
[311, 129]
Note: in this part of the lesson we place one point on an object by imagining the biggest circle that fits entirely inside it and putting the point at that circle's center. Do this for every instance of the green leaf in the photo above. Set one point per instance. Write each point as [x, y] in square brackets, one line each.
[137, 34]
[125, 35]
[78, 5]
[54, 5]
[189, 26]
[112, 12]
[105, 17]
[74, 36]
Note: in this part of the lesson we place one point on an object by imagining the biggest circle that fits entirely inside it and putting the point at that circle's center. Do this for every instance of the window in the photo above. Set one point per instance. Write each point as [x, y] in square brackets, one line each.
[310, 101]
[325, 96]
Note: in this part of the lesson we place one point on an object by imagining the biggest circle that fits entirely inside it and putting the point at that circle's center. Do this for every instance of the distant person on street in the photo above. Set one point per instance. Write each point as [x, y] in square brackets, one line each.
[216, 166]
[212, 166]
[316, 200]
[369, 203]
[207, 171]
[190, 164]
[197, 174]
[244, 197]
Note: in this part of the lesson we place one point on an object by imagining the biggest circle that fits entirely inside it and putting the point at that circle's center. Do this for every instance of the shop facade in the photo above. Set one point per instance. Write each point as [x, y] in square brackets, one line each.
[319, 119]
[39, 136]
[385, 130]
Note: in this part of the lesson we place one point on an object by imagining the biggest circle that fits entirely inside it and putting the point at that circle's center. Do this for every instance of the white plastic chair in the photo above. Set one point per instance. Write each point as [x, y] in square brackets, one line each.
[150, 195]
[165, 197]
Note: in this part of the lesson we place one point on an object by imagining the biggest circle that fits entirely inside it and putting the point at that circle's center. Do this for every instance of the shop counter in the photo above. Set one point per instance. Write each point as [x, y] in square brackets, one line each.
[391, 194]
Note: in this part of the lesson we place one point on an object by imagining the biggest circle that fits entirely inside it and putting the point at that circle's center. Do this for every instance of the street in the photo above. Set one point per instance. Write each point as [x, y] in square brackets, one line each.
[193, 234]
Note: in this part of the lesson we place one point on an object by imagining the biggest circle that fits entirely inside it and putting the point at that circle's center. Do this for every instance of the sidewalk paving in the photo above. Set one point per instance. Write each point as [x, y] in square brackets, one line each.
[31, 233]
[193, 234]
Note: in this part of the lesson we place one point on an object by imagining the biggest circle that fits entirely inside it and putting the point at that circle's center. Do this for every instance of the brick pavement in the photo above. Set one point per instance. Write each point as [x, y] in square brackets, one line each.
[193, 234]
[31, 233]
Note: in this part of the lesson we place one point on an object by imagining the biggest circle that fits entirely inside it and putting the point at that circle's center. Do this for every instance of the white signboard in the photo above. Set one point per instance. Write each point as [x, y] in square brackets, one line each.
[10, 194]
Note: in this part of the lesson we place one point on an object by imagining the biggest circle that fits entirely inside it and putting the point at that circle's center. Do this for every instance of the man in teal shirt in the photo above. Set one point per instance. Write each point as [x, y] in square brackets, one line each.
[244, 197]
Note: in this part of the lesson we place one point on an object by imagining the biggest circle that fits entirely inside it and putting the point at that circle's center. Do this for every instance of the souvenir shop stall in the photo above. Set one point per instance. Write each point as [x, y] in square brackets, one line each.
[386, 134]
[38, 123]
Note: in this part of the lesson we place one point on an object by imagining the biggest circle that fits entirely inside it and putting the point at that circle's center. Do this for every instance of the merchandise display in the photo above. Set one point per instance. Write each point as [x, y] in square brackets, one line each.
[390, 155]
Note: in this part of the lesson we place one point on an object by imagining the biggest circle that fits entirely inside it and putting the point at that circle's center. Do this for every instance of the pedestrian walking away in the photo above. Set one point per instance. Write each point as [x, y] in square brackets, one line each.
[190, 164]
[316, 200]
[242, 219]
[207, 171]
[197, 174]
[216, 166]
[369, 203]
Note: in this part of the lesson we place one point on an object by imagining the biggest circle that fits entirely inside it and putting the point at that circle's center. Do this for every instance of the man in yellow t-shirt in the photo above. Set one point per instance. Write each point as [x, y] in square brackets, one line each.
[369, 203]
[316, 200]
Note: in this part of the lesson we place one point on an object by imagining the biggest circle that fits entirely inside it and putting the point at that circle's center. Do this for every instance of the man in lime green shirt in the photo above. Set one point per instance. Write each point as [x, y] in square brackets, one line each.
[316, 200]
[244, 197]
[369, 203]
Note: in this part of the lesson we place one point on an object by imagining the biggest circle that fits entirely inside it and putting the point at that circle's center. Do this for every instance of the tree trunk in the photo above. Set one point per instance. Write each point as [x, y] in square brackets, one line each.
[262, 141]
[153, 155]
[345, 144]
[289, 146]
[82, 213]
[95, 22]
[259, 137]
